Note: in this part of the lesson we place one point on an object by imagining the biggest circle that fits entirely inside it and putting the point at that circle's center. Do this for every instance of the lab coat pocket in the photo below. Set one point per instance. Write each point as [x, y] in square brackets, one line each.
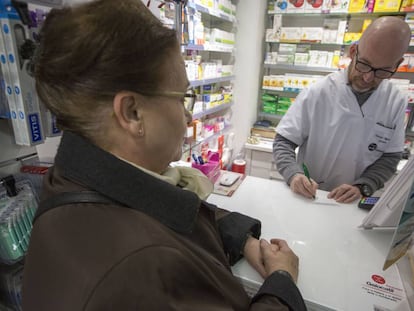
[380, 138]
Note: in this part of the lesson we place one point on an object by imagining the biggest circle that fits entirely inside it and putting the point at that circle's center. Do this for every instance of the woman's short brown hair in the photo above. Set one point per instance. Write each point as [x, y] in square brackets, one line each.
[90, 52]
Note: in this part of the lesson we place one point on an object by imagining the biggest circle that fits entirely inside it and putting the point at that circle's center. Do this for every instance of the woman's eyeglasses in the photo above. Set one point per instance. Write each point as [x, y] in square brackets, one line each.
[187, 97]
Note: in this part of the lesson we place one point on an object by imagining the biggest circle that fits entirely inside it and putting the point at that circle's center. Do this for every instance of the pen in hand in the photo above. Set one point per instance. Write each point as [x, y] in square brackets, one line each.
[306, 171]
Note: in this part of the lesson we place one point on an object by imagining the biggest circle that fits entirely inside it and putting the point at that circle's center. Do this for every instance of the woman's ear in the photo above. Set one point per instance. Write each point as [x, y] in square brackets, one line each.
[128, 112]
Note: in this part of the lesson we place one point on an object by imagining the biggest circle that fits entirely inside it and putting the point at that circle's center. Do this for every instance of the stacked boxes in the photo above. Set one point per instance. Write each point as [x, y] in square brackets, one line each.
[23, 101]
[275, 104]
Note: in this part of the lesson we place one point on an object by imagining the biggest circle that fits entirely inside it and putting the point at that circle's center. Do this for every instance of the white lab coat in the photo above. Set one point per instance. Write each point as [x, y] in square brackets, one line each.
[337, 138]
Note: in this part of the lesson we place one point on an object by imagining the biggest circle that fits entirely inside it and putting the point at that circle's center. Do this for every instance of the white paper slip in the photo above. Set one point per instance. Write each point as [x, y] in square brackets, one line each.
[324, 200]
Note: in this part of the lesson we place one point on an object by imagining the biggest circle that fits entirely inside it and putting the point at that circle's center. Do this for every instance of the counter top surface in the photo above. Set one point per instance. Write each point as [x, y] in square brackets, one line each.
[338, 260]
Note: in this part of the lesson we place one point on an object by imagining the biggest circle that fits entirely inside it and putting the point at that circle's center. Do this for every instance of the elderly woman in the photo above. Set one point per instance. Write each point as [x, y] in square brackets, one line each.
[117, 229]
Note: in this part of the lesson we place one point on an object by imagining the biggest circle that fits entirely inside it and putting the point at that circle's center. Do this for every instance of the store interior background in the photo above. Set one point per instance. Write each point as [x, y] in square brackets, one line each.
[248, 72]
[248, 56]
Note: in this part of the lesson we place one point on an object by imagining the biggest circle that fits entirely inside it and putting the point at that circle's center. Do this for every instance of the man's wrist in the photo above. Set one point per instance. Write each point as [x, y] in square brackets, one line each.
[365, 189]
[285, 273]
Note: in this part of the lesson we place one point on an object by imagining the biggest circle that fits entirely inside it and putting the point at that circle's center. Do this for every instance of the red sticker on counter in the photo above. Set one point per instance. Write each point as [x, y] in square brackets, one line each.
[378, 279]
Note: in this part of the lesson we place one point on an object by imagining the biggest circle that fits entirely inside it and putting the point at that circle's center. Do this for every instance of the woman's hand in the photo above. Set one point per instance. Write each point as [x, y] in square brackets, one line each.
[267, 258]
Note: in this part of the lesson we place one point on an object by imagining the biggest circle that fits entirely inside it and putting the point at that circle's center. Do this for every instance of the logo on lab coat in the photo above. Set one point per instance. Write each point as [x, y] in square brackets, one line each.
[372, 147]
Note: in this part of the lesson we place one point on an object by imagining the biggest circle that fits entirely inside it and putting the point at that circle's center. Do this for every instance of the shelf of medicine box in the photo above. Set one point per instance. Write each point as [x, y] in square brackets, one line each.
[209, 48]
[280, 90]
[195, 83]
[403, 75]
[339, 14]
[269, 115]
[409, 134]
[214, 13]
[216, 108]
[191, 143]
[330, 44]
[300, 68]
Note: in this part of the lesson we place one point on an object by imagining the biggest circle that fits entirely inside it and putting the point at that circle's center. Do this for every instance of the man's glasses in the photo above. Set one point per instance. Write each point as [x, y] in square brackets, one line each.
[378, 72]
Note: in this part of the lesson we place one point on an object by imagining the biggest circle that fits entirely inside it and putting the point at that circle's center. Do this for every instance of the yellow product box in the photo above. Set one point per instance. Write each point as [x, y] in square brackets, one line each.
[356, 6]
[361, 6]
[277, 81]
[266, 81]
[407, 6]
[366, 23]
[387, 5]
[335, 59]
[351, 37]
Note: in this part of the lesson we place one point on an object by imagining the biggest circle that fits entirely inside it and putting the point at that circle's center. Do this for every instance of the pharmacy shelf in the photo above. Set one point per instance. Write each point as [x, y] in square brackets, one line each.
[300, 68]
[269, 115]
[279, 90]
[213, 13]
[191, 143]
[311, 43]
[409, 134]
[215, 109]
[195, 83]
[343, 14]
[209, 48]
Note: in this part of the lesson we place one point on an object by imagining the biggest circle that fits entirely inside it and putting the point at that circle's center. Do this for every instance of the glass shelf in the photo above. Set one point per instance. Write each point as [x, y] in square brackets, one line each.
[209, 48]
[278, 90]
[214, 13]
[206, 112]
[269, 115]
[312, 43]
[201, 82]
[191, 143]
[344, 14]
[300, 68]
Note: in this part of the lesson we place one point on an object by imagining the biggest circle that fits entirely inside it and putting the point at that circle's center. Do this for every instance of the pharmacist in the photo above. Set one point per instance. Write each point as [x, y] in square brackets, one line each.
[349, 126]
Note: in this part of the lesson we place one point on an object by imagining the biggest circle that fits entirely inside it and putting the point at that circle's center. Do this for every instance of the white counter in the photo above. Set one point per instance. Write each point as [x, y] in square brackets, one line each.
[338, 261]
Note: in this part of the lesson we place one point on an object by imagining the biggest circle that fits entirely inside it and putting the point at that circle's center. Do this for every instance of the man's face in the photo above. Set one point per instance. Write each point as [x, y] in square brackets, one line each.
[368, 68]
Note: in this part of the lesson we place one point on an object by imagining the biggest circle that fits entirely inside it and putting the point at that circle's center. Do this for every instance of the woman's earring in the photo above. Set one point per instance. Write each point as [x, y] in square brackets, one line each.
[140, 132]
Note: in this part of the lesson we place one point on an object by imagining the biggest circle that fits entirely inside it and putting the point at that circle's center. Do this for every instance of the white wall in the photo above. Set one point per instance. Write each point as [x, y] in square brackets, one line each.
[249, 58]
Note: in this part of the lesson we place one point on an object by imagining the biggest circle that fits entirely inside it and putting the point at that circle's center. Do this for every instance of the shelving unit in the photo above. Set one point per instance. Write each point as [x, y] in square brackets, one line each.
[347, 22]
[215, 48]
[259, 156]
[201, 82]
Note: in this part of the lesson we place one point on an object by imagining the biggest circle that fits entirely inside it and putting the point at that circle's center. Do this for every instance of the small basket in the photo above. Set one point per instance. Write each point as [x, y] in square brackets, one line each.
[211, 168]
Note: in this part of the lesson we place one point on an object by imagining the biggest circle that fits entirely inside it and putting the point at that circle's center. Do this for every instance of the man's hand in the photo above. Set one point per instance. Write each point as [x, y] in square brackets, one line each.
[345, 193]
[300, 184]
